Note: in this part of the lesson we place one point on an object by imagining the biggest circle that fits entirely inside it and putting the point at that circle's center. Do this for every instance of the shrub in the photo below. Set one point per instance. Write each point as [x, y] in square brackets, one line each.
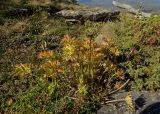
[138, 40]
[79, 72]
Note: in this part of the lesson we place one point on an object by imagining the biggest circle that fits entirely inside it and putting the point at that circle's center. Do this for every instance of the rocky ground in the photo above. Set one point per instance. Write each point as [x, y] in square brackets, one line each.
[145, 103]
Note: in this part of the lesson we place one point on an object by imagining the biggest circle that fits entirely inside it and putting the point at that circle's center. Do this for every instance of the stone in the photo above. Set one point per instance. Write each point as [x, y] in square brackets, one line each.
[106, 109]
[20, 12]
[130, 9]
[101, 15]
[145, 103]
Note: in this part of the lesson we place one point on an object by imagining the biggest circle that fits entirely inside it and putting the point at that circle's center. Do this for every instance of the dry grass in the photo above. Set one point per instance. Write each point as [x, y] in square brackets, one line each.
[39, 2]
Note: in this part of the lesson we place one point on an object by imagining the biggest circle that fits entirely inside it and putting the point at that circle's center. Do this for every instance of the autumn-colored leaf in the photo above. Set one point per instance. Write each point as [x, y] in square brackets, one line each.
[129, 102]
[9, 101]
[22, 69]
[45, 54]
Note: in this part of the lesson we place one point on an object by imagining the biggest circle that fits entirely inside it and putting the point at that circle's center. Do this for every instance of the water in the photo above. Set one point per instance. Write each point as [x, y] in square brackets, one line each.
[148, 5]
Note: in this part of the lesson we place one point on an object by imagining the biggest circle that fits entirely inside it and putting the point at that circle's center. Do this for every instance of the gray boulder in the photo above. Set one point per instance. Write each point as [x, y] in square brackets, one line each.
[145, 103]
[101, 15]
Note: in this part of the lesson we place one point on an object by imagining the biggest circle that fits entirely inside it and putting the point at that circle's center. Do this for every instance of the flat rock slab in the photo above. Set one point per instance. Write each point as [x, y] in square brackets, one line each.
[145, 103]
[88, 15]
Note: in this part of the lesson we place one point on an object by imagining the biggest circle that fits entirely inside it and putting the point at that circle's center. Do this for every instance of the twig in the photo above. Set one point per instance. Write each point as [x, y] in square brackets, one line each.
[73, 98]
[119, 87]
[113, 101]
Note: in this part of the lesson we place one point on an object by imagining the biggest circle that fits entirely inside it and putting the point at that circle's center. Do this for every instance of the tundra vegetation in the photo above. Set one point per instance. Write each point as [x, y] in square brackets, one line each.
[49, 66]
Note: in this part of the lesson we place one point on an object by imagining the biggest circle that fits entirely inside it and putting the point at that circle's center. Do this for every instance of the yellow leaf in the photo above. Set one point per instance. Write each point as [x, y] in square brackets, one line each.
[129, 102]
[117, 53]
[9, 101]
[22, 69]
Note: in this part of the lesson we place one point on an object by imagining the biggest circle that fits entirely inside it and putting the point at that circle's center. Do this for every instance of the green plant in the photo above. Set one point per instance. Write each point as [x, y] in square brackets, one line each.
[79, 68]
[38, 77]
[2, 21]
[138, 41]
[34, 29]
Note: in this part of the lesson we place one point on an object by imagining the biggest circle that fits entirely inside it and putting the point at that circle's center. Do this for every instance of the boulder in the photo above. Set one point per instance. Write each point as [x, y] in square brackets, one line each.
[101, 15]
[20, 12]
[130, 9]
[145, 102]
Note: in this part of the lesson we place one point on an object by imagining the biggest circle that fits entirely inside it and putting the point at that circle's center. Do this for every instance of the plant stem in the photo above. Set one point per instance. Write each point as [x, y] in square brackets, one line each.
[112, 92]
[90, 59]
[113, 101]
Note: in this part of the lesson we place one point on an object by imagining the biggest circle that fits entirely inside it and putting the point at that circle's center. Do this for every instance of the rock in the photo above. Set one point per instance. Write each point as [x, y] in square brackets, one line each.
[100, 39]
[20, 12]
[67, 1]
[71, 21]
[105, 36]
[152, 109]
[130, 9]
[119, 108]
[145, 103]
[102, 15]
[108, 109]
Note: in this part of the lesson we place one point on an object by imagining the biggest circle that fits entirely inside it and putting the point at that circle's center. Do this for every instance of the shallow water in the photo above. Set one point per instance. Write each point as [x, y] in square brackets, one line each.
[148, 5]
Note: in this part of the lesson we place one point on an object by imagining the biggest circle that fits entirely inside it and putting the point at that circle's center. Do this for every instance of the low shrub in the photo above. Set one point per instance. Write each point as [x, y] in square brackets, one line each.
[138, 40]
[67, 79]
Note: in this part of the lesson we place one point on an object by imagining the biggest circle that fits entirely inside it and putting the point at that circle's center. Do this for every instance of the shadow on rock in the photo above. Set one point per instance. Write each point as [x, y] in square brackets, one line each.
[152, 109]
[140, 102]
